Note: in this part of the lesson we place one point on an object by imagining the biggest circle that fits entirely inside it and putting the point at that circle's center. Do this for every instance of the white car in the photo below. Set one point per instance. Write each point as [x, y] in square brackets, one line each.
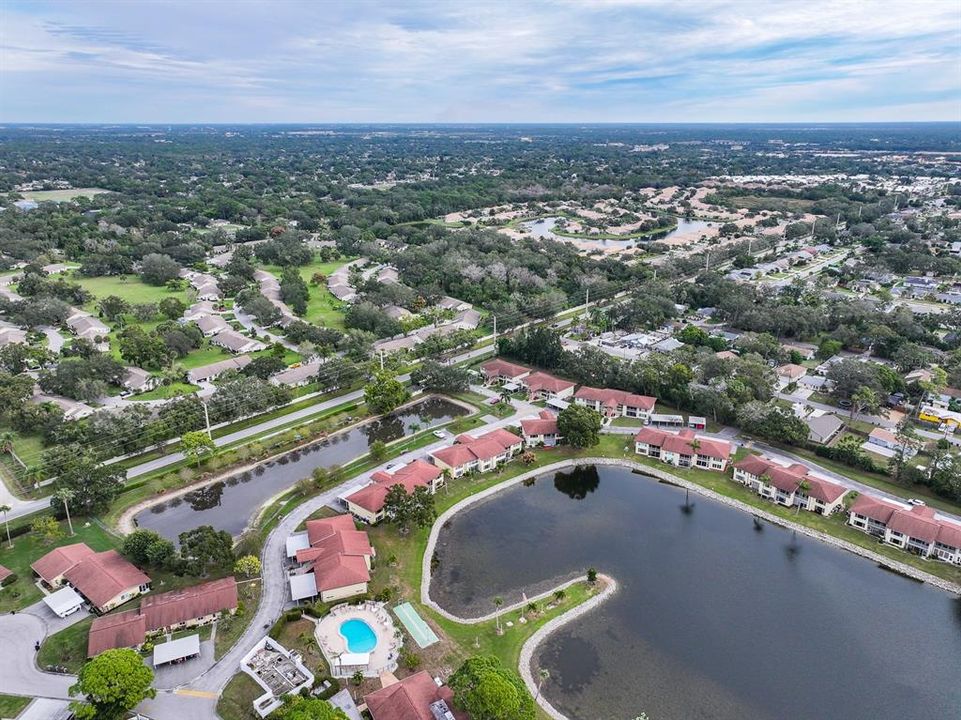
[440, 433]
[916, 502]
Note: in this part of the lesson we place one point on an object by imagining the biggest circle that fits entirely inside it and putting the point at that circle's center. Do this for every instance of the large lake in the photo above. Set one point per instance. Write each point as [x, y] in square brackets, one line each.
[230, 504]
[714, 619]
[543, 229]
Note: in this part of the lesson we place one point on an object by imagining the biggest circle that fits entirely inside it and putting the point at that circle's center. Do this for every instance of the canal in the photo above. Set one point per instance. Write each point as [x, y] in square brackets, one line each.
[231, 504]
[715, 618]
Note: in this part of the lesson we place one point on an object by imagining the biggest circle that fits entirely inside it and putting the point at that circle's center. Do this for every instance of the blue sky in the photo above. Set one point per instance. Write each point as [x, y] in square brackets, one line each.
[469, 61]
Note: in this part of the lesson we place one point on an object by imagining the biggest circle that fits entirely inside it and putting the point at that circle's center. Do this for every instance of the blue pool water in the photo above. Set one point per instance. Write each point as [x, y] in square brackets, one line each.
[359, 636]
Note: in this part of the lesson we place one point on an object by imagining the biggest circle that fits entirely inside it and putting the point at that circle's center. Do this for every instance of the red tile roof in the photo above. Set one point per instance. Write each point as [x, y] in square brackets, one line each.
[918, 522]
[502, 368]
[874, 508]
[468, 448]
[607, 396]
[410, 699]
[317, 530]
[544, 424]
[542, 381]
[4, 573]
[103, 576]
[372, 497]
[824, 490]
[950, 534]
[177, 606]
[56, 562]
[337, 571]
[126, 629]
[680, 442]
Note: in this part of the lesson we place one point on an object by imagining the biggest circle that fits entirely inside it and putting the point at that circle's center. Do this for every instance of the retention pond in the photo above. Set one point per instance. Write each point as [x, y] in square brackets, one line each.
[715, 617]
[230, 504]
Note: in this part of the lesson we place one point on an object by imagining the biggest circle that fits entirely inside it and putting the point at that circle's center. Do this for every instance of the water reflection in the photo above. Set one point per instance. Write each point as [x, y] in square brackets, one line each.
[229, 505]
[578, 482]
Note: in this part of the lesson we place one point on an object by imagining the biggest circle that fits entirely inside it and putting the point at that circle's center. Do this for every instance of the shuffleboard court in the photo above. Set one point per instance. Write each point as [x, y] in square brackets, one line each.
[418, 629]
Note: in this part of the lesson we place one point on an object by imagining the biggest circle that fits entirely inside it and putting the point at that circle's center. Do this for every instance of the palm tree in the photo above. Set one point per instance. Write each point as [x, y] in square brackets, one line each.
[695, 446]
[5, 509]
[65, 495]
[542, 675]
[498, 601]
[6, 442]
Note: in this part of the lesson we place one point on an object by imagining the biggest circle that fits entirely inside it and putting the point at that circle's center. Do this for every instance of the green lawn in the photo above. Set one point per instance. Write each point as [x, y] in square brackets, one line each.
[163, 392]
[28, 548]
[12, 705]
[61, 195]
[128, 287]
[230, 629]
[322, 307]
[237, 698]
[67, 647]
[204, 355]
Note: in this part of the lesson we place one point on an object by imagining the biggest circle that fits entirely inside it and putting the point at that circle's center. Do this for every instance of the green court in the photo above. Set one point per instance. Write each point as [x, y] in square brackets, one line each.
[418, 629]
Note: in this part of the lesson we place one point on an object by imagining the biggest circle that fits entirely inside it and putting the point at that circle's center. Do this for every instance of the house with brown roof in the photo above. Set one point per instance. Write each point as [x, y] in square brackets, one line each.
[297, 376]
[790, 373]
[502, 371]
[615, 403]
[169, 611]
[367, 504]
[334, 561]
[5, 574]
[914, 529]
[211, 324]
[543, 386]
[234, 342]
[480, 454]
[207, 373]
[683, 449]
[105, 579]
[541, 431]
[789, 485]
[416, 697]
[139, 380]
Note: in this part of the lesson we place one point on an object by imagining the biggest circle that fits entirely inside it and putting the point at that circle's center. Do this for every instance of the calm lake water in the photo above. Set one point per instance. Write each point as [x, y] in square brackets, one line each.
[714, 619]
[231, 504]
[544, 229]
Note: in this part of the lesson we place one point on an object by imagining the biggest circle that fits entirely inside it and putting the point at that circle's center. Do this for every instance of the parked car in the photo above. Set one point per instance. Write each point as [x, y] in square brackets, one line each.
[916, 502]
[440, 433]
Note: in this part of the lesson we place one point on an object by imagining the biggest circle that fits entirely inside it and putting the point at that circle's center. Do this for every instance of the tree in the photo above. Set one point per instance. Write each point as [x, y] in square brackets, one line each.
[864, 399]
[47, 527]
[146, 547]
[172, 307]
[384, 393]
[203, 548]
[94, 486]
[6, 521]
[248, 565]
[196, 444]
[405, 509]
[433, 376]
[65, 495]
[158, 269]
[113, 683]
[296, 707]
[580, 426]
[498, 603]
[293, 290]
[488, 691]
[113, 307]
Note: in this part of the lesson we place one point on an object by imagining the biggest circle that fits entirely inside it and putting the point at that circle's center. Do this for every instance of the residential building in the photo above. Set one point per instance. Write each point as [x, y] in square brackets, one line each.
[297, 376]
[823, 428]
[12, 336]
[208, 373]
[449, 303]
[790, 373]
[683, 449]
[501, 371]
[615, 403]
[481, 454]
[542, 386]
[138, 380]
[334, 560]
[85, 325]
[234, 342]
[885, 443]
[914, 529]
[106, 579]
[661, 420]
[416, 697]
[541, 431]
[166, 612]
[5, 574]
[791, 485]
[210, 324]
[367, 504]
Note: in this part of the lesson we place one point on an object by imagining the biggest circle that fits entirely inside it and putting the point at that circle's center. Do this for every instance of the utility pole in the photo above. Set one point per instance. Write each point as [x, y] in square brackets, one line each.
[381, 360]
[495, 331]
[587, 303]
[207, 418]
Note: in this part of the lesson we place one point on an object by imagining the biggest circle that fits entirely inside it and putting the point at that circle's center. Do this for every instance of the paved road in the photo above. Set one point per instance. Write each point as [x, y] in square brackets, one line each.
[878, 420]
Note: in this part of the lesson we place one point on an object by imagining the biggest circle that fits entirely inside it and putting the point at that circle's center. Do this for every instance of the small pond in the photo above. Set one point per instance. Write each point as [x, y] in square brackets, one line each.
[230, 504]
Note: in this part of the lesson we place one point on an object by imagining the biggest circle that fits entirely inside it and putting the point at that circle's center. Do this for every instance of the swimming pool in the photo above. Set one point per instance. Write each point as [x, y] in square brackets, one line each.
[359, 636]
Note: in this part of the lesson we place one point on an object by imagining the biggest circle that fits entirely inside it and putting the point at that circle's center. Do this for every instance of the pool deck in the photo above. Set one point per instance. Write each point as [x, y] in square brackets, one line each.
[383, 658]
